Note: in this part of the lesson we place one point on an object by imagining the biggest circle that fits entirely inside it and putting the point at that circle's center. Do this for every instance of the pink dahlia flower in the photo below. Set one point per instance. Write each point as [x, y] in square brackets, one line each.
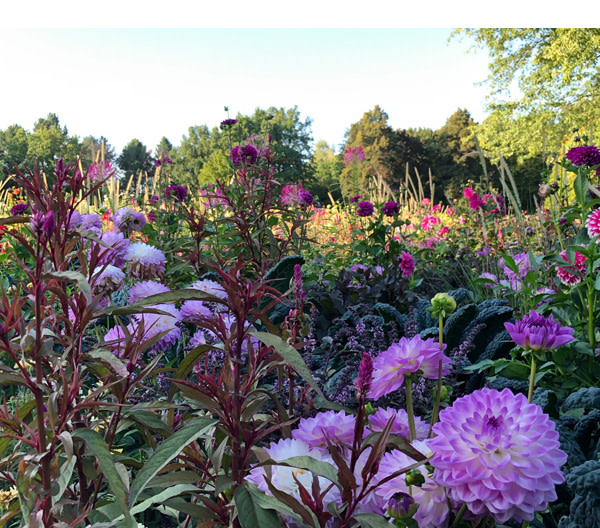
[535, 332]
[428, 222]
[144, 289]
[407, 264]
[593, 224]
[337, 427]
[117, 248]
[498, 454]
[567, 274]
[404, 358]
[433, 509]
[382, 416]
[145, 262]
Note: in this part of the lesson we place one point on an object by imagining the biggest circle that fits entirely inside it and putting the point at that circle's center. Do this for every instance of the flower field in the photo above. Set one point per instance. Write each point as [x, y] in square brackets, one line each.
[246, 357]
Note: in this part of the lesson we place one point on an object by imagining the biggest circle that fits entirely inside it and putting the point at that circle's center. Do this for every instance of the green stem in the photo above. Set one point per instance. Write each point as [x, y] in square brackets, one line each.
[531, 379]
[438, 392]
[409, 408]
[459, 516]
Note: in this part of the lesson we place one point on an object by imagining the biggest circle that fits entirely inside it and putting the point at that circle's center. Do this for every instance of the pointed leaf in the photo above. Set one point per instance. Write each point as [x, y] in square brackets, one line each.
[72, 276]
[250, 513]
[167, 451]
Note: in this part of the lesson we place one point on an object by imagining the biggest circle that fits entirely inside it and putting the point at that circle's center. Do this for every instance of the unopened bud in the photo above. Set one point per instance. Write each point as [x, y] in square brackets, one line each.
[442, 305]
[365, 376]
[415, 478]
[401, 506]
[544, 190]
[49, 225]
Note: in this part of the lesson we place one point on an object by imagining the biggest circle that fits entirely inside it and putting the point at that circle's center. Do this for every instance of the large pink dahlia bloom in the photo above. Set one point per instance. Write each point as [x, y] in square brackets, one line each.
[567, 274]
[337, 427]
[403, 358]
[536, 332]
[381, 417]
[498, 454]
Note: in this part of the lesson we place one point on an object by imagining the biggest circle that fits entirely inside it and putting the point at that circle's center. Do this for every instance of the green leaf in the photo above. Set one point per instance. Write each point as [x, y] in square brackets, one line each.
[318, 467]
[291, 355]
[72, 276]
[167, 451]
[250, 513]
[580, 186]
[187, 364]
[371, 520]
[164, 495]
[97, 446]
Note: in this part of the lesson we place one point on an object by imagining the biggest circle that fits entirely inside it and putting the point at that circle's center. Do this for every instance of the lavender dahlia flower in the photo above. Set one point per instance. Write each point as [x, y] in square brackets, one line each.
[107, 280]
[126, 220]
[336, 427]
[144, 289]
[382, 416]
[193, 311]
[498, 454]
[535, 332]
[91, 222]
[211, 287]
[430, 496]
[145, 262]
[155, 324]
[117, 248]
[404, 358]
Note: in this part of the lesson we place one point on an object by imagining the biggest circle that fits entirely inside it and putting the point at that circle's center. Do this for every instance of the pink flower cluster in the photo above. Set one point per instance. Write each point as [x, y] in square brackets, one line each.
[354, 154]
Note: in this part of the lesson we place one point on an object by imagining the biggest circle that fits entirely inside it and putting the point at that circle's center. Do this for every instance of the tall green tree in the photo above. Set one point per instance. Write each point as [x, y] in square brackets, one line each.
[191, 155]
[133, 157]
[13, 148]
[558, 78]
[91, 150]
[49, 141]
[326, 168]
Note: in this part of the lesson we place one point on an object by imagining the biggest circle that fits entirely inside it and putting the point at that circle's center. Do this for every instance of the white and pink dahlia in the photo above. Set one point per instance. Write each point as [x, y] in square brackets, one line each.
[282, 477]
[571, 275]
[144, 289]
[381, 417]
[337, 427]
[108, 280]
[433, 509]
[145, 262]
[498, 454]
[593, 225]
[404, 358]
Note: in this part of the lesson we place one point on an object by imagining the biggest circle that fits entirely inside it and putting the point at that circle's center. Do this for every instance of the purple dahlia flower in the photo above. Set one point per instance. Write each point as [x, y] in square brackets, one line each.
[382, 416]
[176, 192]
[585, 155]
[19, 209]
[535, 332]
[144, 289]
[498, 454]
[364, 209]
[337, 427]
[391, 208]
[228, 122]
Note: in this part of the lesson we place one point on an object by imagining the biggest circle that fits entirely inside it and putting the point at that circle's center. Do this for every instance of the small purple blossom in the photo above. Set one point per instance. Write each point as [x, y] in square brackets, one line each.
[364, 209]
[536, 332]
[49, 225]
[154, 199]
[19, 209]
[228, 122]
[391, 208]
[306, 197]
[354, 154]
[247, 154]
[355, 199]
[365, 376]
[176, 192]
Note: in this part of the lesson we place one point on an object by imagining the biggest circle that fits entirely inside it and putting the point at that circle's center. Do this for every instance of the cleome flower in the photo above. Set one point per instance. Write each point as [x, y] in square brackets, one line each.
[404, 358]
[536, 332]
[498, 454]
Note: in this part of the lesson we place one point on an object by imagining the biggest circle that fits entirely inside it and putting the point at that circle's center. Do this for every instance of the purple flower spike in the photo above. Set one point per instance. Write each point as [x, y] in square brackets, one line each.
[535, 332]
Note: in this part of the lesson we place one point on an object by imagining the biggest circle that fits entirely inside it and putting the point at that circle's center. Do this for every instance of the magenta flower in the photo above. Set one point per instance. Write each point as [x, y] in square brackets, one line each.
[404, 358]
[246, 154]
[364, 209]
[476, 202]
[19, 209]
[592, 223]
[391, 208]
[468, 193]
[354, 154]
[407, 264]
[365, 376]
[337, 427]
[100, 171]
[176, 192]
[571, 275]
[584, 156]
[355, 199]
[228, 122]
[535, 332]
[428, 222]
[306, 197]
[498, 454]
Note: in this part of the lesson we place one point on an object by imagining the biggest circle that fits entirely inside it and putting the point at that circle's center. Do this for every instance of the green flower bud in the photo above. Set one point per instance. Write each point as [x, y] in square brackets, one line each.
[442, 305]
[415, 478]
[369, 409]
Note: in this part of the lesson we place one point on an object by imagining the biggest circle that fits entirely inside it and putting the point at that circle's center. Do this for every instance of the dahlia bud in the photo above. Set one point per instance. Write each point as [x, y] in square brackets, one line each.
[365, 376]
[401, 506]
[544, 190]
[415, 478]
[49, 225]
[442, 305]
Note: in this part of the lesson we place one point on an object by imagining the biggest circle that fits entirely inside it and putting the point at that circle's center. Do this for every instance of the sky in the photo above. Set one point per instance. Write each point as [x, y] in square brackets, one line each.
[150, 83]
